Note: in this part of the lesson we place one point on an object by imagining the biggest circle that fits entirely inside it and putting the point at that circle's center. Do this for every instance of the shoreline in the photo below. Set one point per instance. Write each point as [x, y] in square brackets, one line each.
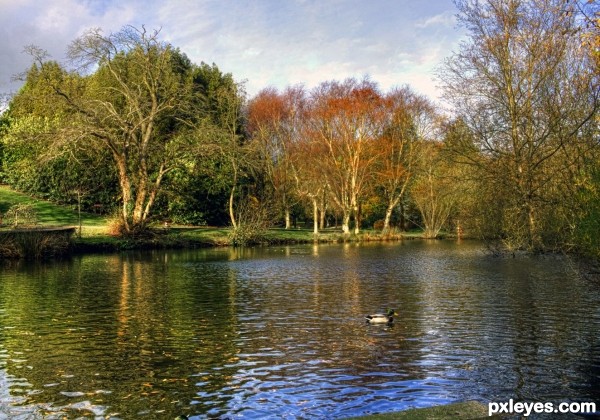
[47, 242]
[194, 238]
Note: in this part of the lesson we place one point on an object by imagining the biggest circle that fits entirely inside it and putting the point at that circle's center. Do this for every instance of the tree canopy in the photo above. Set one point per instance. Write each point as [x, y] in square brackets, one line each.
[136, 99]
[133, 125]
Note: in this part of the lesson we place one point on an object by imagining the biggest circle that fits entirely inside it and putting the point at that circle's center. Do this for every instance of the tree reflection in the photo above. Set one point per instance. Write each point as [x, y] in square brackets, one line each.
[234, 332]
[115, 331]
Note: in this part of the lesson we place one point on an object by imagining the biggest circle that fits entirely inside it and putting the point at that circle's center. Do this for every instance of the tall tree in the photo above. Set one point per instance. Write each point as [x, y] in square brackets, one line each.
[33, 120]
[410, 119]
[223, 125]
[274, 121]
[435, 190]
[140, 104]
[522, 86]
[204, 191]
[310, 177]
[345, 119]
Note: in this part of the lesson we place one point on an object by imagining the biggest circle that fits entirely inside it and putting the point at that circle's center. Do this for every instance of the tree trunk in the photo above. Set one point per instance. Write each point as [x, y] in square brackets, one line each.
[357, 219]
[323, 210]
[138, 208]
[315, 216]
[231, 197]
[125, 185]
[288, 219]
[154, 192]
[346, 222]
[141, 190]
[388, 213]
[231, 212]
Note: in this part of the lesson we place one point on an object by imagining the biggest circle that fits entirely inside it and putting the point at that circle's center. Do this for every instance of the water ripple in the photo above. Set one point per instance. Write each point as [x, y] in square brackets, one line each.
[280, 333]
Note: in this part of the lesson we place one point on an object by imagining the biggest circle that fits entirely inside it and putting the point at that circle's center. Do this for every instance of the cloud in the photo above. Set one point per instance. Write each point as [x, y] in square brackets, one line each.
[446, 19]
[267, 42]
[50, 25]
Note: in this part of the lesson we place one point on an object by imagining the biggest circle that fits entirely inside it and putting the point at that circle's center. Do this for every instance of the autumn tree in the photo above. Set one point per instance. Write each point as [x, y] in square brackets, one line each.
[345, 119]
[274, 121]
[309, 177]
[409, 119]
[522, 86]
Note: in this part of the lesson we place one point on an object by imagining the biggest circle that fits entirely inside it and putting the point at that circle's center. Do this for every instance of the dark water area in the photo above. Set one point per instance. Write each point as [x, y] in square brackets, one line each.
[279, 332]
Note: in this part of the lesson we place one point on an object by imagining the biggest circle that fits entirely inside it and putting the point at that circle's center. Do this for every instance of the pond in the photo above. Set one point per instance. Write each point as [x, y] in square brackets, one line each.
[280, 332]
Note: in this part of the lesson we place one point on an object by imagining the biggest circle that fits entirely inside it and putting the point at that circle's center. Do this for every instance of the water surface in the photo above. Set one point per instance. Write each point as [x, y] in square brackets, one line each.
[279, 332]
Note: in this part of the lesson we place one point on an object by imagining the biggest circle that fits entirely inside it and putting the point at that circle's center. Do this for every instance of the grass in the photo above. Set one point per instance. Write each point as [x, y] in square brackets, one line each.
[48, 214]
[95, 229]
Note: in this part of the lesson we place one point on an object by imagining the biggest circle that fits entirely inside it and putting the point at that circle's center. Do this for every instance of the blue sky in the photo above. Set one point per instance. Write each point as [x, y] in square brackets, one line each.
[262, 42]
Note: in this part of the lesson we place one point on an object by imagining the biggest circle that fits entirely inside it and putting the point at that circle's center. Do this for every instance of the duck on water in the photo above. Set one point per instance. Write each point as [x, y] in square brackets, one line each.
[386, 318]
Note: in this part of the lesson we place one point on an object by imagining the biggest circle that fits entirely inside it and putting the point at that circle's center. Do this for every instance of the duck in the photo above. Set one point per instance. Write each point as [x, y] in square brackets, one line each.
[386, 318]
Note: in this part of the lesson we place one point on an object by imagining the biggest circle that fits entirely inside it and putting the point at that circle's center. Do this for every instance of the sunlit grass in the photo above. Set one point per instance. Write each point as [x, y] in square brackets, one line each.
[49, 214]
[95, 230]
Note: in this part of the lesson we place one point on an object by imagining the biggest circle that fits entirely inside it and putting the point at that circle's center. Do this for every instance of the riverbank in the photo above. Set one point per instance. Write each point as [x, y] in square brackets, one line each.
[93, 231]
[95, 239]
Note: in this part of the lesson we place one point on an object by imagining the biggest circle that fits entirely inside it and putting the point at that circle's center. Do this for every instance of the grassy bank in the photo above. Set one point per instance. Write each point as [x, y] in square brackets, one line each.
[49, 214]
[95, 230]
[194, 237]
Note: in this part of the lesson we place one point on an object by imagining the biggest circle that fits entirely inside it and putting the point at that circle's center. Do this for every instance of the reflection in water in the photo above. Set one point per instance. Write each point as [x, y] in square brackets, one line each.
[279, 332]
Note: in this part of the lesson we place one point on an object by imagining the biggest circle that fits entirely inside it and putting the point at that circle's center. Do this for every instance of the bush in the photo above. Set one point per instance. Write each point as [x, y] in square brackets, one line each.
[21, 215]
[254, 220]
[247, 234]
[34, 243]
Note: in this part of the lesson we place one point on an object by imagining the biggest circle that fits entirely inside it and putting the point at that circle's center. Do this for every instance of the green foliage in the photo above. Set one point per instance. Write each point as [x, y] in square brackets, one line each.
[20, 215]
[22, 145]
[180, 152]
[27, 168]
[197, 207]
[253, 223]
[586, 233]
[119, 132]
[221, 96]
[48, 153]
[38, 95]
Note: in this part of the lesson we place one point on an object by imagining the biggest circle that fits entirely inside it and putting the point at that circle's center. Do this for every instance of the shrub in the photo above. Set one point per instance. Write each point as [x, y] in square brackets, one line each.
[34, 243]
[254, 219]
[21, 215]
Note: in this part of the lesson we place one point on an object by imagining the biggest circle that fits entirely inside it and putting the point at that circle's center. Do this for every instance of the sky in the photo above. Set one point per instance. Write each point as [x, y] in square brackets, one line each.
[262, 43]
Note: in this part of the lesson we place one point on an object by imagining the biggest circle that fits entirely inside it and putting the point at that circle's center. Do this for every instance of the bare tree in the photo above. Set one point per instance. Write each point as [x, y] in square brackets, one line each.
[522, 86]
[435, 190]
[410, 119]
